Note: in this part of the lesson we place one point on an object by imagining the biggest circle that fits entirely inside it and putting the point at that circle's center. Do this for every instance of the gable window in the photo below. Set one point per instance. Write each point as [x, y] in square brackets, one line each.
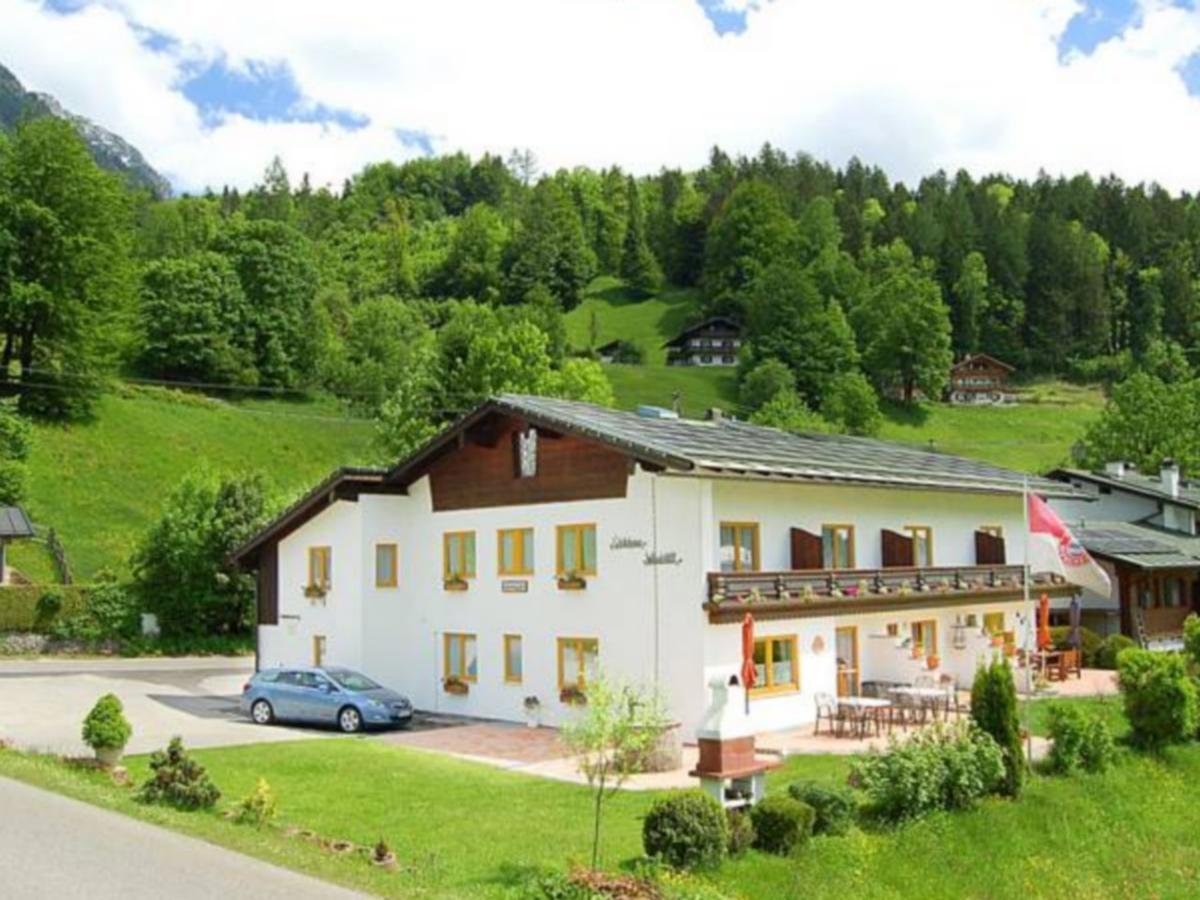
[837, 546]
[578, 660]
[320, 567]
[514, 670]
[739, 547]
[515, 551]
[386, 575]
[922, 538]
[525, 448]
[458, 555]
[924, 638]
[576, 550]
[776, 665]
[459, 657]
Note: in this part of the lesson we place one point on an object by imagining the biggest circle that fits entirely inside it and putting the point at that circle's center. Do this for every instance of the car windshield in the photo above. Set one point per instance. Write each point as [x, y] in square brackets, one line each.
[351, 681]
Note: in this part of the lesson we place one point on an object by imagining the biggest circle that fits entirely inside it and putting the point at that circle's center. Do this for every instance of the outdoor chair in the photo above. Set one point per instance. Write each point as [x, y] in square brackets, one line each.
[827, 709]
[953, 704]
[1069, 665]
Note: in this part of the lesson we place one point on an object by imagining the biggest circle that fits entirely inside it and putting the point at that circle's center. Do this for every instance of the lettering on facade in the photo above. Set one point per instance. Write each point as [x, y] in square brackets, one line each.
[664, 558]
[621, 542]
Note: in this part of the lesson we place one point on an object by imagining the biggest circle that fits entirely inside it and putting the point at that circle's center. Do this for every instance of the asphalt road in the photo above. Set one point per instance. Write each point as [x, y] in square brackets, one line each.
[55, 847]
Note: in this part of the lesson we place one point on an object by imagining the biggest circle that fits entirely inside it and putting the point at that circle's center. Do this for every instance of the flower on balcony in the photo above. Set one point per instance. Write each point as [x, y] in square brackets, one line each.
[808, 594]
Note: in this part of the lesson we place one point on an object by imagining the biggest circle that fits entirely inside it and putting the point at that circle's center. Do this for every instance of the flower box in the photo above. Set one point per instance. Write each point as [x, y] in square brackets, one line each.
[573, 696]
[455, 686]
[316, 591]
[455, 584]
[571, 582]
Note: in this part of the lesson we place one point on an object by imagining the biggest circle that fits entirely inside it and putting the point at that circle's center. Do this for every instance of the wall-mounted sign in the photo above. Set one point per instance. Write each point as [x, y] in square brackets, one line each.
[818, 645]
[620, 542]
[664, 558]
[514, 587]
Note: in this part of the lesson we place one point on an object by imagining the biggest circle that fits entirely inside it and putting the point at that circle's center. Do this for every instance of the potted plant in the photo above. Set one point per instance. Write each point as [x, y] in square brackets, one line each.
[452, 684]
[997, 640]
[106, 730]
[573, 695]
[533, 711]
[455, 583]
[809, 594]
[933, 661]
[571, 581]
[316, 592]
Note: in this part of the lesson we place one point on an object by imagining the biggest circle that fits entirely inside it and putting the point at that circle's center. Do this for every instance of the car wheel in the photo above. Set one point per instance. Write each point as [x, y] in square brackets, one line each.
[350, 720]
[261, 713]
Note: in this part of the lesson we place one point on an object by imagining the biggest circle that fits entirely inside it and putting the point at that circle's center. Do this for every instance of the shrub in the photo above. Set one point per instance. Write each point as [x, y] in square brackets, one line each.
[994, 710]
[105, 727]
[834, 806]
[22, 607]
[741, 832]
[1089, 642]
[686, 830]
[111, 612]
[942, 767]
[1191, 639]
[258, 807]
[782, 825]
[1110, 649]
[1160, 698]
[49, 605]
[1081, 741]
[178, 780]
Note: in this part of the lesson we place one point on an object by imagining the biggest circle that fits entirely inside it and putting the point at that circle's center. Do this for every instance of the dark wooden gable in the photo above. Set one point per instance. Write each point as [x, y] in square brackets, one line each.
[482, 468]
[989, 549]
[268, 585]
[898, 550]
[806, 550]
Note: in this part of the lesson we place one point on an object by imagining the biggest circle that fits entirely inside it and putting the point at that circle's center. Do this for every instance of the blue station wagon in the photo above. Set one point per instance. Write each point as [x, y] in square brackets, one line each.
[323, 695]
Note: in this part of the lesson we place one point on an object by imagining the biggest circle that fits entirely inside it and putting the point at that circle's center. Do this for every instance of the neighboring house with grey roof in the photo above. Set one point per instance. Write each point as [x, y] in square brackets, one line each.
[1143, 530]
[536, 540]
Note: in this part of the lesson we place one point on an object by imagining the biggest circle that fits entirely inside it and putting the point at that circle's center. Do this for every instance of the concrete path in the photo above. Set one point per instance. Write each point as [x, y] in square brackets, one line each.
[55, 847]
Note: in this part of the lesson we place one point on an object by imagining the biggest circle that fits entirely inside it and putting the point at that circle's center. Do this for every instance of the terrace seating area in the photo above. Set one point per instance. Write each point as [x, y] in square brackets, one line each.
[884, 708]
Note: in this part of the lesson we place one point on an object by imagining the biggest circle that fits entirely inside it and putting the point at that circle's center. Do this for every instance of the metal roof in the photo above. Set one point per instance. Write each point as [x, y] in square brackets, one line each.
[1142, 546]
[14, 523]
[727, 447]
[1137, 483]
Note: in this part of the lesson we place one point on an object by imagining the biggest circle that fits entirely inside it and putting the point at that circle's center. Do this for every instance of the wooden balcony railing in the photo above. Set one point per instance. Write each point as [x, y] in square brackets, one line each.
[820, 591]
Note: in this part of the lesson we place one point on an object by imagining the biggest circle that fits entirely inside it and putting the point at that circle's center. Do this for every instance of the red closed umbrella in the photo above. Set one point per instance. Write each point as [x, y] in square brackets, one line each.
[1043, 633]
[749, 673]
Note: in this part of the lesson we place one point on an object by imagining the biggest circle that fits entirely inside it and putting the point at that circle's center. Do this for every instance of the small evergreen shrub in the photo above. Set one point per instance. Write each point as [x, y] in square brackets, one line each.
[1081, 741]
[178, 780]
[994, 710]
[1160, 697]
[105, 727]
[782, 824]
[940, 768]
[741, 832]
[1110, 649]
[686, 830]
[258, 807]
[834, 807]
[49, 605]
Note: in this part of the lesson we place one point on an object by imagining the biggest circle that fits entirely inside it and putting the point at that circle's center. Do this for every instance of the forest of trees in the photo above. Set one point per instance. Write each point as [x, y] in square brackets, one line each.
[416, 289]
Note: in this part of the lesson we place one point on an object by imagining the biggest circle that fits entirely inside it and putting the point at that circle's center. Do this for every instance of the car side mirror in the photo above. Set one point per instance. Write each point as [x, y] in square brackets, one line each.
[329, 688]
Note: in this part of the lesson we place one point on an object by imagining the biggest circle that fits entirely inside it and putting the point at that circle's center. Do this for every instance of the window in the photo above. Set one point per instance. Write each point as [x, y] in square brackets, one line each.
[837, 546]
[318, 649]
[458, 555]
[996, 531]
[385, 565]
[993, 623]
[515, 551]
[1172, 593]
[739, 546]
[922, 538]
[577, 549]
[320, 567]
[513, 663]
[924, 638]
[776, 665]
[577, 661]
[459, 659]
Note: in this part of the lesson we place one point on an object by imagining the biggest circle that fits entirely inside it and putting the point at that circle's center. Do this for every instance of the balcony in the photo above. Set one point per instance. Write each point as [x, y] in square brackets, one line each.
[811, 593]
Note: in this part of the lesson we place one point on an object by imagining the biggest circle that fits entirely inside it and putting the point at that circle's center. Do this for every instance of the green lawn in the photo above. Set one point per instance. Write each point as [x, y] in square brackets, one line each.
[648, 322]
[100, 483]
[466, 830]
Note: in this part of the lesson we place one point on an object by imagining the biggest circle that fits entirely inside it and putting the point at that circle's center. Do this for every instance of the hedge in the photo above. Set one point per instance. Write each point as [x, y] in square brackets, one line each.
[22, 609]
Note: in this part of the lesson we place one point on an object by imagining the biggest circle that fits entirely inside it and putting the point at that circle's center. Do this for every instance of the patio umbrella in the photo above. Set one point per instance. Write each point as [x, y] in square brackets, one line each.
[1076, 614]
[1043, 633]
[749, 674]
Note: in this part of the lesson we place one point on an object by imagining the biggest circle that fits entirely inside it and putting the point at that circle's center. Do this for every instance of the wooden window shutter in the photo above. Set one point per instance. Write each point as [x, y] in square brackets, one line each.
[989, 549]
[898, 550]
[268, 586]
[806, 550]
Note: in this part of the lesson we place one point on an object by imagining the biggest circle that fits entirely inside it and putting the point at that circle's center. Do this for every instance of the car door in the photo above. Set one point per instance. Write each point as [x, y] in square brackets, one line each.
[319, 698]
[284, 696]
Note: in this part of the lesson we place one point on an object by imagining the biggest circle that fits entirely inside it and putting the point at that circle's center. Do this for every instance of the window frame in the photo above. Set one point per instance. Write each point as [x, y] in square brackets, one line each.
[927, 530]
[320, 648]
[324, 553]
[836, 527]
[466, 574]
[579, 530]
[460, 638]
[993, 617]
[579, 643]
[769, 688]
[756, 545]
[395, 550]
[509, 677]
[926, 651]
[523, 569]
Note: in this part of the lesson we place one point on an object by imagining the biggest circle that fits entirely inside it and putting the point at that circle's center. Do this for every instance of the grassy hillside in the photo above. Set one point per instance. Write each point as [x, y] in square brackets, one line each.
[100, 484]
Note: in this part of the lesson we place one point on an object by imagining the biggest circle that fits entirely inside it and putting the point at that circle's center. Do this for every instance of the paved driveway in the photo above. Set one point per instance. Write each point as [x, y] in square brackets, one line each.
[52, 846]
[43, 702]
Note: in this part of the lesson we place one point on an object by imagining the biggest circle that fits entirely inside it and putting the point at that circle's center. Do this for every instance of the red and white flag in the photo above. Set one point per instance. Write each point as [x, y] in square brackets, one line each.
[1052, 548]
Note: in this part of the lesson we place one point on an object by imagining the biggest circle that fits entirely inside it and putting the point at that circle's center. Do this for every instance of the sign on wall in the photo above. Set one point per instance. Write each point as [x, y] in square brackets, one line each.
[514, 586]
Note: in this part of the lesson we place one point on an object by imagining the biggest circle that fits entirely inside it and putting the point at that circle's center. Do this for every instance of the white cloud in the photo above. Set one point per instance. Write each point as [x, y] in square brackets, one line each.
[642, 83]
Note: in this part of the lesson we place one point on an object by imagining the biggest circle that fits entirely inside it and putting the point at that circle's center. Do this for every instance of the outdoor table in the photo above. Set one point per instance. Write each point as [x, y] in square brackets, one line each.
[866, 708]
[928, 697]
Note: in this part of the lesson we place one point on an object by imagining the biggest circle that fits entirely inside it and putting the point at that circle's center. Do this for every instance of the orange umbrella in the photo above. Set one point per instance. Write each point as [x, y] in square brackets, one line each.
[749, 673]
[1043, 633]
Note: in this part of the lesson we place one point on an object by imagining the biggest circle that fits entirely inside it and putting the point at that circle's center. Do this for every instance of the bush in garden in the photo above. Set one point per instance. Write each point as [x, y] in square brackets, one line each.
[1160, 697]
[1191, 640]
[782, 824]
[1081, 741]
[178, 780]
[1110, 649]
[835, 807]
[686, 830]
[994, 710]
[940, 768]
[258, 807]
[111, 612]
[741, 832]
[1089, 642]
[105, 727]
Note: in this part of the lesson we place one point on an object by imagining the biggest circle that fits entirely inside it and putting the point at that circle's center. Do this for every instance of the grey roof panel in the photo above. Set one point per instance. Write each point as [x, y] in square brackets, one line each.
[1137, 483]
[14, 523]
[1144, 546]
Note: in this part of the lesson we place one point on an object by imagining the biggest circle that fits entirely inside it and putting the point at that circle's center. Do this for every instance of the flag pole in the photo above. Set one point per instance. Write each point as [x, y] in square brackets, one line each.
[1027, 606]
